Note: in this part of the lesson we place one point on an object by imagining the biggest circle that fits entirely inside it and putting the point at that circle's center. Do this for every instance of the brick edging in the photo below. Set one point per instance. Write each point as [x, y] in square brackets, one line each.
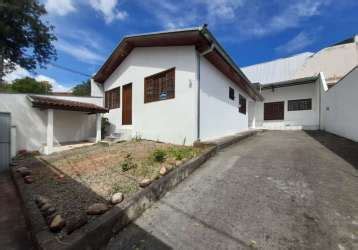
[97, 234]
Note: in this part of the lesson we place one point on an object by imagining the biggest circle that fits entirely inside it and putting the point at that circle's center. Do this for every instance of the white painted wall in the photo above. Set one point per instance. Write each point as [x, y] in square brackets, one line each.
[172, 120]
[305, 119]
[96, 89]
[31, 122]
[340, 107]
[219, 115]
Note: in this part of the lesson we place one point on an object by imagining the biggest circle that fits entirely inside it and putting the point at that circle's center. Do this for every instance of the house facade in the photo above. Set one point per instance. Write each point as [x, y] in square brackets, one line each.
[177, 87]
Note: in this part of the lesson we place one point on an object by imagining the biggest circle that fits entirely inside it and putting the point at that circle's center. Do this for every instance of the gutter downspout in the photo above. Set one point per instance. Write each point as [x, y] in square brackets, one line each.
[198, 56]
[322, 90]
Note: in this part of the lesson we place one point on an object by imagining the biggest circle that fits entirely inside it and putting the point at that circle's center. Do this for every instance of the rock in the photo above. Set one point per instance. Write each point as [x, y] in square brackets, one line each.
[24, 171]
[163, 170]
[145, 182]
[75, 223]
[50, 218]
[45, 207]
[48, 212]
[57, 223]
[97, 209]
[13, 164]
[28, 179]
[41, 200]
[117, 198]
[178, 163]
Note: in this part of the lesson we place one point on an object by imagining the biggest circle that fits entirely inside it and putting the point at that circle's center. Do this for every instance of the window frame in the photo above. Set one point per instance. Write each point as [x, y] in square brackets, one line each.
[243, 104]
[162, 80]
[110, 101]
[299, 105]
[231, 93]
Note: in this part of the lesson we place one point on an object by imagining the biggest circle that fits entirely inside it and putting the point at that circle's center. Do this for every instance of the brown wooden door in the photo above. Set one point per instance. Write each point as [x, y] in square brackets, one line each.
[274, 111]
[127, 105]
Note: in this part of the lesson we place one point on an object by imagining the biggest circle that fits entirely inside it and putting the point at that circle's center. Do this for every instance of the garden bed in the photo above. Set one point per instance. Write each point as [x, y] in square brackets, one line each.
[74, 180]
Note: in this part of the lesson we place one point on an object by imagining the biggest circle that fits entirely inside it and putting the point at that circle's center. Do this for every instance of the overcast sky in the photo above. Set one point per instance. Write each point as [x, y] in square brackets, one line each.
[252, 31]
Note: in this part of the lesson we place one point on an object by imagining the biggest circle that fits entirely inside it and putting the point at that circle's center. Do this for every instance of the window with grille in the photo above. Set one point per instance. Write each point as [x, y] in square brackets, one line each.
[160, 86]
[231, 93]
[302, 104]
[242, 104]
[112, 98]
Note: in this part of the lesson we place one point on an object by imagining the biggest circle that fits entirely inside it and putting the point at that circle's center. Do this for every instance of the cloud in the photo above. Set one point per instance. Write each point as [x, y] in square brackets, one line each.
[20, 72]
[108, 9]
[290, 16]
[243, 19]
[299, 42]
[178, 14]
[56, 87]
[80, 52]
[59, 7]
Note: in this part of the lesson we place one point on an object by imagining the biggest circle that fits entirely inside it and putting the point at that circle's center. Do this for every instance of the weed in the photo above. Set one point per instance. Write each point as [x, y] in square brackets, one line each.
[128, 163]
[159, 155]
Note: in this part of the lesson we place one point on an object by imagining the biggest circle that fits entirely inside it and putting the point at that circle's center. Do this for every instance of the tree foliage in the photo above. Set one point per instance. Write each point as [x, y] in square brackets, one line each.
[25, 38]
[30, 85]
[82, 89]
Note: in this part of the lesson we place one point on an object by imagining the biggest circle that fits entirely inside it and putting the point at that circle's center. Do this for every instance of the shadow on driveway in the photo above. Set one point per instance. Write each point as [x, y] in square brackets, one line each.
[344, 148]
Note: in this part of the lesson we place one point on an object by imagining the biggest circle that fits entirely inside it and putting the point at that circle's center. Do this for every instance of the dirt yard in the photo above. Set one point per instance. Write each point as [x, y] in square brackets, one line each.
[75, 179]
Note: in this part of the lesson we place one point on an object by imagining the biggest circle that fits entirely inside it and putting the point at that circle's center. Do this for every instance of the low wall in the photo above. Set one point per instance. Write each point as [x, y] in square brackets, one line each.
[31, 122]
[340, 105]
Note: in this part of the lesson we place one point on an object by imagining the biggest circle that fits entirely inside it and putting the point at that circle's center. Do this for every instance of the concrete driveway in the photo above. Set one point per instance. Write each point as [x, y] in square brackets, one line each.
[276, 190]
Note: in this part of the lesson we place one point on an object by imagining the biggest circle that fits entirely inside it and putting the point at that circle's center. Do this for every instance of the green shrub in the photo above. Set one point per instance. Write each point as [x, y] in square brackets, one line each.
[159, 155]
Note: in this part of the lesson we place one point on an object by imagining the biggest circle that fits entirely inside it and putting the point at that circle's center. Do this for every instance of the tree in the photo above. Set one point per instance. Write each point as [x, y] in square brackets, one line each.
[25, 39]
[82, 89]
[30, 85]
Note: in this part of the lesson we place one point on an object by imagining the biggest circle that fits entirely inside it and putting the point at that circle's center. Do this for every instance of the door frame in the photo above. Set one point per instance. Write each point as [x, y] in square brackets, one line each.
[124, 87]
[8, 143]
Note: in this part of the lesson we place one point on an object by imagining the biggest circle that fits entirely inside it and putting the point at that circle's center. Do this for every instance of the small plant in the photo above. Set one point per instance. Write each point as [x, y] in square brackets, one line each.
[128, 163]
[159, 155]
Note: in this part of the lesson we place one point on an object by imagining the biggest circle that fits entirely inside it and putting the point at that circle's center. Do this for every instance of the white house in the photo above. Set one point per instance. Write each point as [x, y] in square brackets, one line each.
[178, 87]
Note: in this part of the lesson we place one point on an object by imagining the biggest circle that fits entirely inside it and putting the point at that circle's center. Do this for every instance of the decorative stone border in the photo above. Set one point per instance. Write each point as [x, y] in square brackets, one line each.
[96, 235]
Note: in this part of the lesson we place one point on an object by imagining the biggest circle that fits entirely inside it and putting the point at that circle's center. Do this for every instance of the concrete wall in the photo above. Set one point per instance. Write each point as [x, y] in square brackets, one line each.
[306, 119]
[172, 120]
[340, 107]
[31, 122]
[219, 115]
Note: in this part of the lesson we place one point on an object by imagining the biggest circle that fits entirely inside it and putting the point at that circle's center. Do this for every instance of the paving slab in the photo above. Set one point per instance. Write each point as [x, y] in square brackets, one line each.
[13, 231]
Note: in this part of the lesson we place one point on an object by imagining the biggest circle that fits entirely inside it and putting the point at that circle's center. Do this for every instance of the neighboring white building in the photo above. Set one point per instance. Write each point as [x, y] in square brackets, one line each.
[177, 87]
[42, 122]
[294, 88]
